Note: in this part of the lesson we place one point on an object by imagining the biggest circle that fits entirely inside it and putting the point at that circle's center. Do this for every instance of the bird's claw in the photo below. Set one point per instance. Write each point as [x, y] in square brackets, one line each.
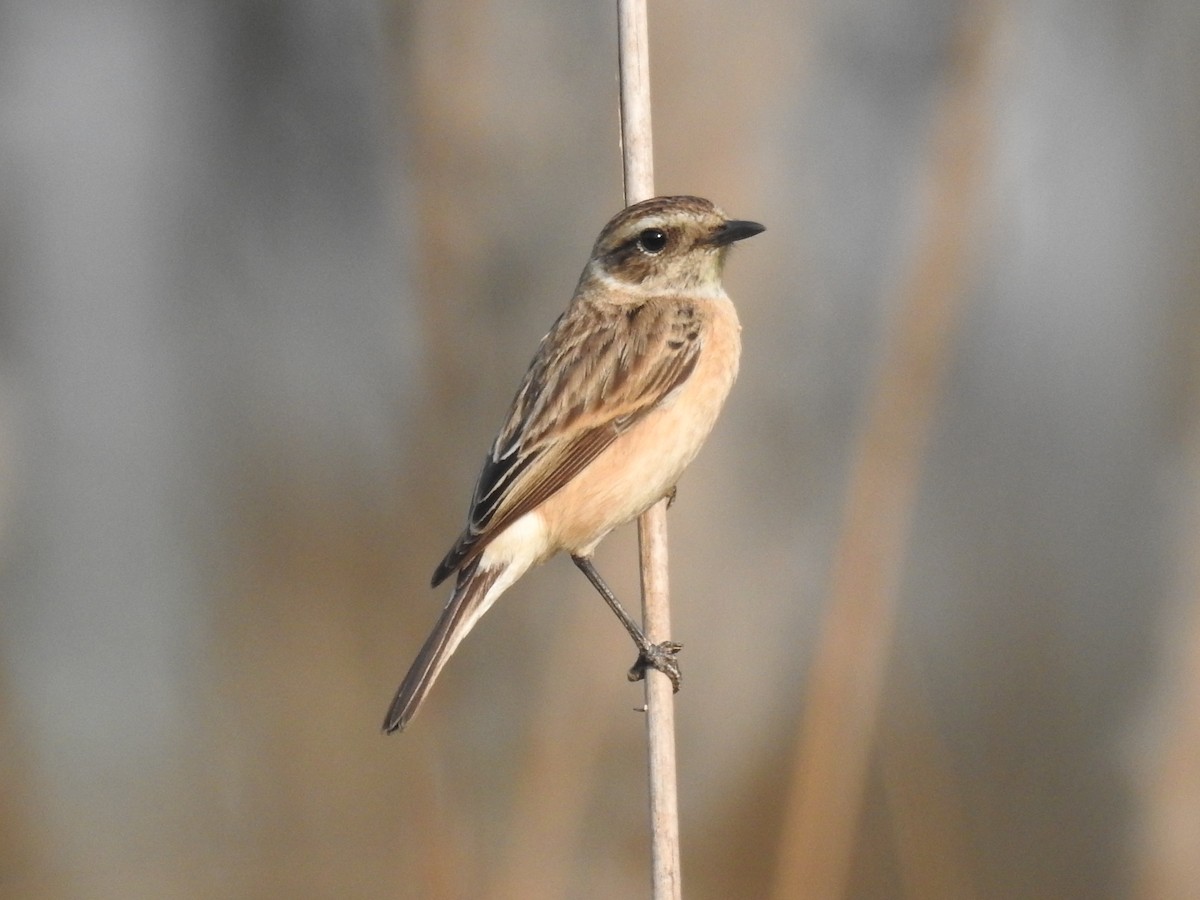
[660, 657]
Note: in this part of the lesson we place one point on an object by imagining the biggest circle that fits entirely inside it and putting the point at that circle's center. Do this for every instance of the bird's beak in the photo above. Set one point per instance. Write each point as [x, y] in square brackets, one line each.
[734, 230]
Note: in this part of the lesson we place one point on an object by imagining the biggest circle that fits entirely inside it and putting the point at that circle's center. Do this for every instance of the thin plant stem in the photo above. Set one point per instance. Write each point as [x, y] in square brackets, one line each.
[638, 163]
[1169, 826]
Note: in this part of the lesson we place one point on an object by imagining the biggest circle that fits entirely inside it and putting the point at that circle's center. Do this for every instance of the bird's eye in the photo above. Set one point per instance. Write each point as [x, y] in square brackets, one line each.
[652, 240]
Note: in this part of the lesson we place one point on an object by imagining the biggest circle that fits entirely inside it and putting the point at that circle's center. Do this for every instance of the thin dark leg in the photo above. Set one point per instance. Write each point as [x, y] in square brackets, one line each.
[587, 568]
[656, 656]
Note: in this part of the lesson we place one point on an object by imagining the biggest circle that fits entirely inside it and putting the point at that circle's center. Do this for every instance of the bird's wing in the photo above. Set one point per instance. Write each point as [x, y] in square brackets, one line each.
[599, 370]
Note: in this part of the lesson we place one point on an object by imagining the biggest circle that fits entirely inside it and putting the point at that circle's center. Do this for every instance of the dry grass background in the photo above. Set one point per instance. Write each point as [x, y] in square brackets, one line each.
[271, 274]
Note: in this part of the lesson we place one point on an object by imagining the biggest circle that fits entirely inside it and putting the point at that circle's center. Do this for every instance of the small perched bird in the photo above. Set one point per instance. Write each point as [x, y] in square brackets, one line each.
[623, 391]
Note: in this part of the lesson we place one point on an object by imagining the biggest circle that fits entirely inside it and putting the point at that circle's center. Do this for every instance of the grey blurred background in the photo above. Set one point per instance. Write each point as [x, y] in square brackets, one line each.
[269, 275]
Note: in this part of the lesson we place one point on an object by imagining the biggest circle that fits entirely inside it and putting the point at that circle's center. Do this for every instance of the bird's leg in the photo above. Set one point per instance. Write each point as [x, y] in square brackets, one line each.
[656, 656]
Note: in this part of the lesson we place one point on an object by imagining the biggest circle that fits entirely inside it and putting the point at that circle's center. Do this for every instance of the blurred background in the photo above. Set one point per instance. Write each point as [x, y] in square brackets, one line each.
[269, 275]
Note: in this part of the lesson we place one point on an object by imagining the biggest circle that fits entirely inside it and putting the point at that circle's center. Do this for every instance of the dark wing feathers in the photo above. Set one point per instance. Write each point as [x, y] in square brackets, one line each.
[598, 371]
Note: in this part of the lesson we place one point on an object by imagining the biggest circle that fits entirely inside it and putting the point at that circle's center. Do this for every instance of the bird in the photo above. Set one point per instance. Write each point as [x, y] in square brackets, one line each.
[621, 394]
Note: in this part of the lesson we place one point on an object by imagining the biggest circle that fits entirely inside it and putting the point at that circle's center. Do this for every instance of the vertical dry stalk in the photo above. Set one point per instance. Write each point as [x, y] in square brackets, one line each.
[638, 162]
[660, 708]
[637, 144]
[923, 800]
[448, 104]
[1169, 866]
[846, 681]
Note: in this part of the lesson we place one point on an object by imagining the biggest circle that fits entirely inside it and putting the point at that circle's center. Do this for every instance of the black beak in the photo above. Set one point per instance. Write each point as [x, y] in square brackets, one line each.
[735, 230]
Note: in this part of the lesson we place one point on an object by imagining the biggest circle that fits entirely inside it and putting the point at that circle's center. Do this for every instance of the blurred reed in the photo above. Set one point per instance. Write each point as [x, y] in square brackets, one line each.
[1166, 848]
[841, 711]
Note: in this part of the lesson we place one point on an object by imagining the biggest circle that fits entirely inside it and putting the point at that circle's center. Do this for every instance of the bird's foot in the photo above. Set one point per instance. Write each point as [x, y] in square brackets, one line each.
[660, 657]
[669, 496]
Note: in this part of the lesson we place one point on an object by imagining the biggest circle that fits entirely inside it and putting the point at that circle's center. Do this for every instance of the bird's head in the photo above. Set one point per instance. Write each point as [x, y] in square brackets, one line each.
[666, 245]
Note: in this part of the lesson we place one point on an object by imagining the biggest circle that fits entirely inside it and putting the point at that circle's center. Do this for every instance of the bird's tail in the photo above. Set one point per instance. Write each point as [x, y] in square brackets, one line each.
[476, 589]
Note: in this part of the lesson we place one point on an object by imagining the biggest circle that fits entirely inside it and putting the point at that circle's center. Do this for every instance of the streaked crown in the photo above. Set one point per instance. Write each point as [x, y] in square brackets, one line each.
[666, 244]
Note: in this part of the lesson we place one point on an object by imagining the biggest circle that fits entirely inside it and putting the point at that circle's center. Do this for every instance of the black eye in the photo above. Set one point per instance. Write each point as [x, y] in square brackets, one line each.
[652, 240]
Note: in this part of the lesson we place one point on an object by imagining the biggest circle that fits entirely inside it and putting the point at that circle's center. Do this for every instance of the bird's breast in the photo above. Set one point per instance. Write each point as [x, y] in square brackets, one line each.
[645, 462]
